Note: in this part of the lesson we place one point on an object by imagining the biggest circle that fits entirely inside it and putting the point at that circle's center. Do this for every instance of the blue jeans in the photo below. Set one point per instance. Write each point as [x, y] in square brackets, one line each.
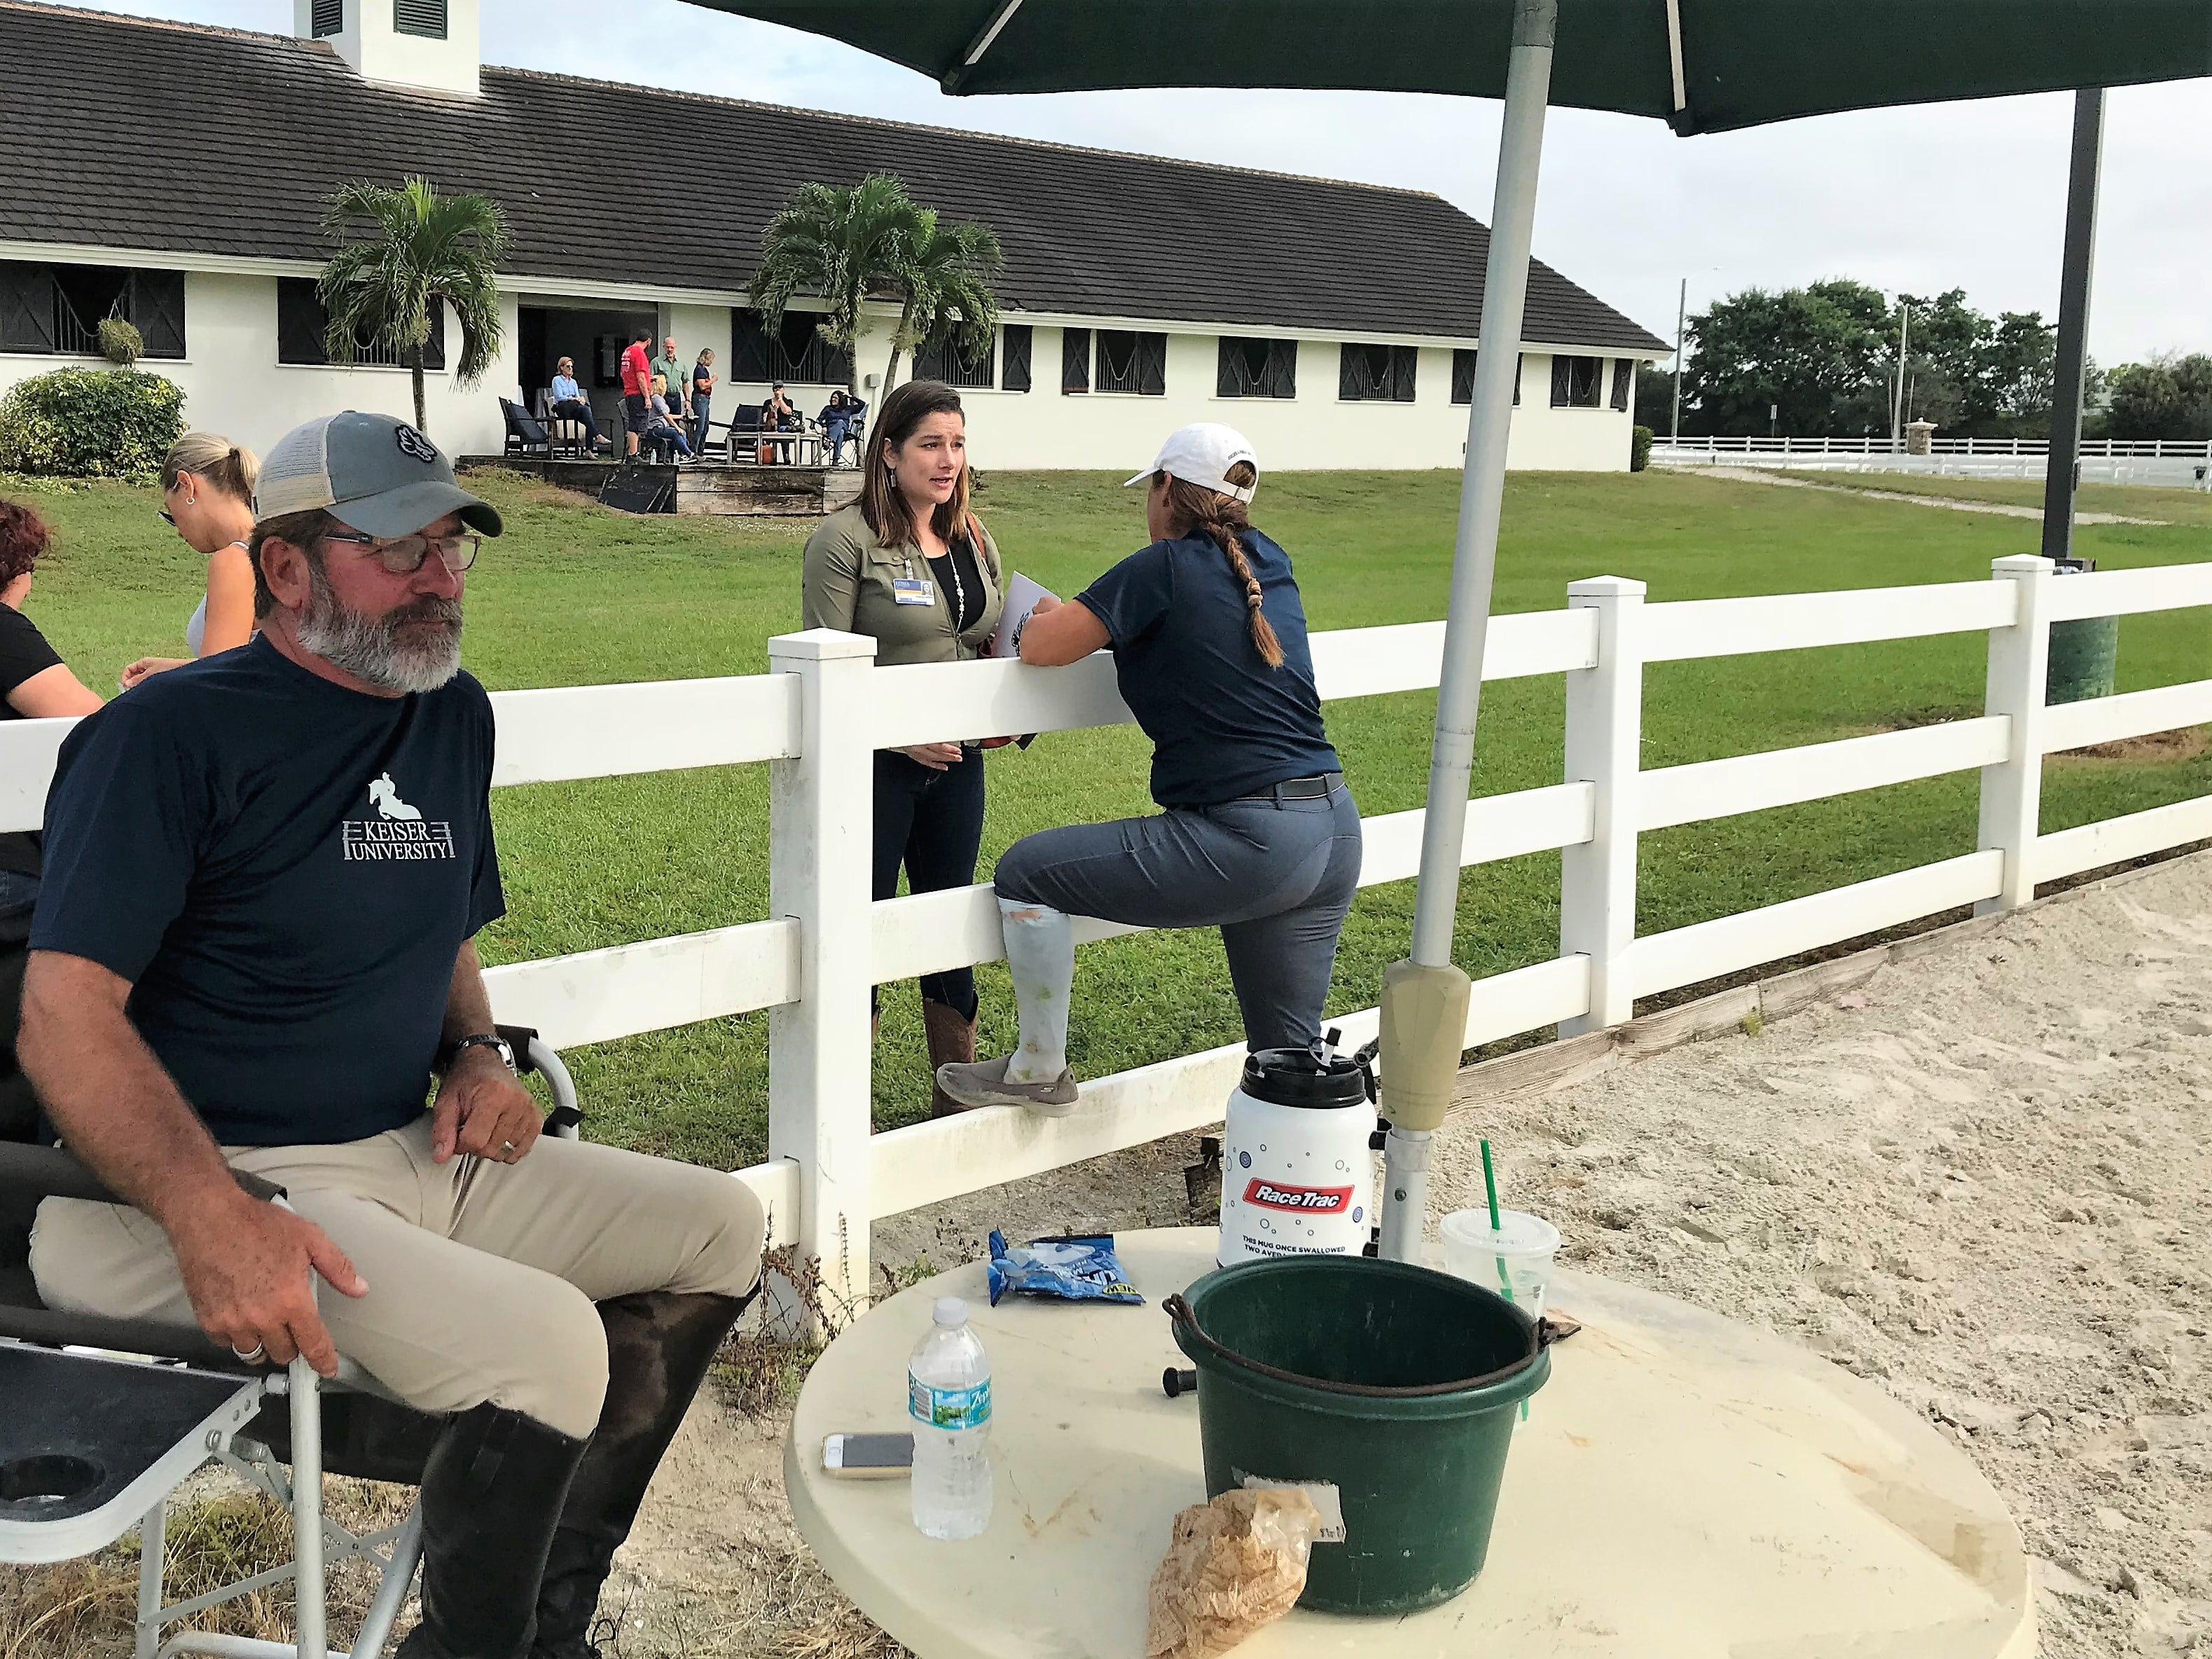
[699, 403]
[832, 438]
[576, 410]
[1276, 876]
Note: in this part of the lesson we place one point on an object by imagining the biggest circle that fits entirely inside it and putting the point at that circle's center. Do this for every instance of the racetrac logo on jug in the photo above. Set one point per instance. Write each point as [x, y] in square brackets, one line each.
[1307, 1200]
[397, 830]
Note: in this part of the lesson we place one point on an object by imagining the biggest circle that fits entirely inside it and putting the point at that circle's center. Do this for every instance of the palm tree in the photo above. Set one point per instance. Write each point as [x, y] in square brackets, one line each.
[947, 279]
[426, 249]
[840, 243]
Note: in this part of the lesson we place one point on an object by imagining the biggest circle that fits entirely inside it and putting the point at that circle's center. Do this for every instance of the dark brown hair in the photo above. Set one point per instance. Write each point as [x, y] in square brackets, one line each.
[1192, 507]
[23, 537]
[304, 530]
[881, 503]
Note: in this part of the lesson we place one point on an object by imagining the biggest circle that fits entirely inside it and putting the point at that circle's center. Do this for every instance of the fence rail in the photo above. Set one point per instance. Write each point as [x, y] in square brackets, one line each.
[2096, 448]
[816, 717]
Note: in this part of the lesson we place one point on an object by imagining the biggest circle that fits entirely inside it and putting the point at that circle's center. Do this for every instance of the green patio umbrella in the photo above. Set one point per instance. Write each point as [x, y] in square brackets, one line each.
[1700, 65]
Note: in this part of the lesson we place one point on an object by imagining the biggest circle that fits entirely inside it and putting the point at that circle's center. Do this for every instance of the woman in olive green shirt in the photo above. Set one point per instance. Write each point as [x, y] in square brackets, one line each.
[909, 565]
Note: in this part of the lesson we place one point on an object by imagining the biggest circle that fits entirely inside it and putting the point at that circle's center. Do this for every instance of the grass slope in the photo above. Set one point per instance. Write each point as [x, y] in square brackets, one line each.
[575, 594]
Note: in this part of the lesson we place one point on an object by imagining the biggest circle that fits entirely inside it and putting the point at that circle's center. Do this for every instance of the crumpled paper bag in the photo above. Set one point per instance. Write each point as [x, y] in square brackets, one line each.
[1232, 1565]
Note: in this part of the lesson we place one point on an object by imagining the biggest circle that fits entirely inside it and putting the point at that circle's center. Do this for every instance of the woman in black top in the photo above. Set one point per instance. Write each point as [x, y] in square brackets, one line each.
[34, 684]
[1259, 836]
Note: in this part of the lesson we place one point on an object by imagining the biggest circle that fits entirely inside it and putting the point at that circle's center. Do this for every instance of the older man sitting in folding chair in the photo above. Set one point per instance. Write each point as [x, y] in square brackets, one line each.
[254, 948]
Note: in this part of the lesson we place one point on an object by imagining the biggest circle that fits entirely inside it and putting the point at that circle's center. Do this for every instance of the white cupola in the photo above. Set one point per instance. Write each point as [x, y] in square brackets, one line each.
[406, 43]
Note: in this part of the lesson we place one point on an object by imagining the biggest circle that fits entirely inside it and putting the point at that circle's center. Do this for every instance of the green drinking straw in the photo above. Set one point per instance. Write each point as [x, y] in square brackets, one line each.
[1505, 1279]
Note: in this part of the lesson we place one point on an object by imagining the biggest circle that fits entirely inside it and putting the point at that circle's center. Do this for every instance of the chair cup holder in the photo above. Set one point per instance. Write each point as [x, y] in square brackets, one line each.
[29, 1483]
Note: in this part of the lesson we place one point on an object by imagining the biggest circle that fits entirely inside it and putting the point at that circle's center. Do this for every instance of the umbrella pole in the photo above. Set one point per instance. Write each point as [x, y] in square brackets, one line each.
[1424, 999]
[2064, 476]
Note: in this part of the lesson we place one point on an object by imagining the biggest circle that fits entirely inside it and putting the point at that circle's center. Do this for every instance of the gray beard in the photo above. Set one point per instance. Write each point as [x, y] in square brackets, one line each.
[372, 648]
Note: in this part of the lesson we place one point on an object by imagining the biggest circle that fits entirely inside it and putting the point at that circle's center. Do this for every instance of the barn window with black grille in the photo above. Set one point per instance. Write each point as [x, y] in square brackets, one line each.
[301, 323]
[796, 352]
[1014, 344]
[1131, 362]
[326, 18]
[1576, 382]
[1074, 361]
[1624, 382]
[425, 18]
[1376, 374]
[57, 310]
[1463, 377]
[1256, 368]
[942, 362]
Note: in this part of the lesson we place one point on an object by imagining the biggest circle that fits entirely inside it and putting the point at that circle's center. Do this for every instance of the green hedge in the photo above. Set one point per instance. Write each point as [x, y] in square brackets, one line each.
[1640, 449]
[90, 422]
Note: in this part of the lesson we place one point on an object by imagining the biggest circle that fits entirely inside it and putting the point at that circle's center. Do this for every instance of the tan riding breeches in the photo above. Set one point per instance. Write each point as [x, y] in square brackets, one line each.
[482, 1276]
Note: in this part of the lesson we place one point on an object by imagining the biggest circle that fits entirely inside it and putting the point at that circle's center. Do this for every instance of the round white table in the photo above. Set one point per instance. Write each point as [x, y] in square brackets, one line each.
[1686, 1487]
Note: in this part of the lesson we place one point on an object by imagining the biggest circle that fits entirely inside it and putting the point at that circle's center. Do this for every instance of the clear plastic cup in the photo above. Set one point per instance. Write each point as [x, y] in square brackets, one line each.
[1514, 1259]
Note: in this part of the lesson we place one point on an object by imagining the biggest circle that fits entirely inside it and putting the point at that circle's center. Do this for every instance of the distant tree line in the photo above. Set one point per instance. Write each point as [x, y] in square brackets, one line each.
[1821, 360]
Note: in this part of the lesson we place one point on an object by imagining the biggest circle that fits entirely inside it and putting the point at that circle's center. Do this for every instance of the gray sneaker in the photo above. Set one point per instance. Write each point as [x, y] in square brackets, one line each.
[984, 1084]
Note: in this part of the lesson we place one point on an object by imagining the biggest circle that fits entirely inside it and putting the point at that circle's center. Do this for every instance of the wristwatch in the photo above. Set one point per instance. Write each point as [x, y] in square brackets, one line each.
[491, 1040]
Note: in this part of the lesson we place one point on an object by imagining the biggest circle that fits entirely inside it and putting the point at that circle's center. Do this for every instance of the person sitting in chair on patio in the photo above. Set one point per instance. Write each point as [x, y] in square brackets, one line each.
[836, 426]
[780, 414]
[254, 949]
[569, 404]
[662, 430]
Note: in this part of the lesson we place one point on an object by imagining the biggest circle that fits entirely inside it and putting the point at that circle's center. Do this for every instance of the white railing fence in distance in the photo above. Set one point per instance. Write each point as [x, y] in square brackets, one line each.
[2154, 449]
[816, 719]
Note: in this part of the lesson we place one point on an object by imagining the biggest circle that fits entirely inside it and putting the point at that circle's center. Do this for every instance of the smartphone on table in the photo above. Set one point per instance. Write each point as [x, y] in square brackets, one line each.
[868, 1456]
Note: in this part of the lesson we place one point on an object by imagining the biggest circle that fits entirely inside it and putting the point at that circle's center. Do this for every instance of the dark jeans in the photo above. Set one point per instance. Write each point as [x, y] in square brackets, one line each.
[576, 410]
[1276, 876]
[19, 892]
[833, 441]
[699, 402]
[932, 824]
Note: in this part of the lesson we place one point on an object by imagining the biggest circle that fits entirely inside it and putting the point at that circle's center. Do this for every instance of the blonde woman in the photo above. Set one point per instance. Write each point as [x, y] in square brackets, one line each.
[909, 564]
[1257, 834]
[207, 497]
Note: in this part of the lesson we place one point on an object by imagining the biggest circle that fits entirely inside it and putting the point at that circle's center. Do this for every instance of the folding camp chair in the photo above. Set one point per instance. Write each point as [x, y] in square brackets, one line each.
[105, 1418]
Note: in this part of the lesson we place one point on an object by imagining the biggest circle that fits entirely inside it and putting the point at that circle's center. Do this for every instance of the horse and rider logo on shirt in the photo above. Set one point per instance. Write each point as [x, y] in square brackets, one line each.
[397, 830]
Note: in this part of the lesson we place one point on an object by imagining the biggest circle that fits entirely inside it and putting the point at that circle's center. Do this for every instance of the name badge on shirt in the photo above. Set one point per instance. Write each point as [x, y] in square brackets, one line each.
[913, 589]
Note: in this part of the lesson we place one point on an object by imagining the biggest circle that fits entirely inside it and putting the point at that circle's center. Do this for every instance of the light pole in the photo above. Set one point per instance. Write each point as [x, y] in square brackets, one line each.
[1897, 399]
[1681, 318]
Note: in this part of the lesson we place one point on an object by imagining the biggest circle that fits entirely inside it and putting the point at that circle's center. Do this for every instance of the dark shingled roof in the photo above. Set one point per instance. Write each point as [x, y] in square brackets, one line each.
[125, 132]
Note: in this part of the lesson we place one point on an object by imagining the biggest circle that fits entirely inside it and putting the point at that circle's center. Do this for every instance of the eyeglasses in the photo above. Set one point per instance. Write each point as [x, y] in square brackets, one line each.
[168, 518]
[403, 556]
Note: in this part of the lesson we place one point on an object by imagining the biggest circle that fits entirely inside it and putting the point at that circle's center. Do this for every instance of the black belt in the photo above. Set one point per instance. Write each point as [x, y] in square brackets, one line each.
[1313, 788]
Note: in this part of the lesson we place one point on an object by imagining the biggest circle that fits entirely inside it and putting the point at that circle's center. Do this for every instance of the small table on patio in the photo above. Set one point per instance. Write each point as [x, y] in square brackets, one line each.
[1687, 1488]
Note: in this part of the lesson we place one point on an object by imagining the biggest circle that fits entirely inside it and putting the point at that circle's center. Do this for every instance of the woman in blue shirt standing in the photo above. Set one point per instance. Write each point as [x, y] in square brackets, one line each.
[1258, 834]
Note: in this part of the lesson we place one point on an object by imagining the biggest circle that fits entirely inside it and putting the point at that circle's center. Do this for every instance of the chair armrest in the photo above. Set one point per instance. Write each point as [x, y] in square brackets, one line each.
[52, 1172]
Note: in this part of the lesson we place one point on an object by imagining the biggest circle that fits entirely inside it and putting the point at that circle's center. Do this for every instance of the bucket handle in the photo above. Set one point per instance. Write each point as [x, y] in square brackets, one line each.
[1179, 1311]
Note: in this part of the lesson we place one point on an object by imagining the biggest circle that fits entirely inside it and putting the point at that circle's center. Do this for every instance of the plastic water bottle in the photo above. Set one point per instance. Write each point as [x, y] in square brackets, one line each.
[948, 1387]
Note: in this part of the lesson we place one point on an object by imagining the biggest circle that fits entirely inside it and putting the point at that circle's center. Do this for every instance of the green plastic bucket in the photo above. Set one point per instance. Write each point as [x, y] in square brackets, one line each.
[2084, 654]
[1396, 1385]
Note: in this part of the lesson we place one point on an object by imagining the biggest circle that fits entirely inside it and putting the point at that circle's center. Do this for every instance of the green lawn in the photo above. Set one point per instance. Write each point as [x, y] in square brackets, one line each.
[575, 594]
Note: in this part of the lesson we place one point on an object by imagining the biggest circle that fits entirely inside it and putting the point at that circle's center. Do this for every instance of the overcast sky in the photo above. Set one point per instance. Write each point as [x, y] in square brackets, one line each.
[1966, 195]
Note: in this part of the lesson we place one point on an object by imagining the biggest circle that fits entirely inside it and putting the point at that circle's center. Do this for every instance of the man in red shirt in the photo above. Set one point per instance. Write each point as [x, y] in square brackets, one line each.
[637, 387]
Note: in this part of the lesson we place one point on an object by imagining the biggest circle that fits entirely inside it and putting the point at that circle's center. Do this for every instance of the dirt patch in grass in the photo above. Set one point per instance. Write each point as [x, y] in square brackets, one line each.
[2184, 743]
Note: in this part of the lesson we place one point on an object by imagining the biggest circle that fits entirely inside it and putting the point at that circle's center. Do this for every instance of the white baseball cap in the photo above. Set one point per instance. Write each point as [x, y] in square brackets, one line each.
[1202, 454]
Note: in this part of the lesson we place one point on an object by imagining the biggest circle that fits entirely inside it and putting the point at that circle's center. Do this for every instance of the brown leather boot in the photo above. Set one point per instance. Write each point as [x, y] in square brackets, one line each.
[951, 1043]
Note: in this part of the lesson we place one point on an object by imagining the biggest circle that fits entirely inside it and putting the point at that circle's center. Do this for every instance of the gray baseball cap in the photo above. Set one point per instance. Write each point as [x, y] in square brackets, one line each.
[374, 472]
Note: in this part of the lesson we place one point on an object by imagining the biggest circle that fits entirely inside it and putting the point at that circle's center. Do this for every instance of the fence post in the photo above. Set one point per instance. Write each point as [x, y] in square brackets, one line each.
[819, 1051]
[2011, 791]
[1605, 748]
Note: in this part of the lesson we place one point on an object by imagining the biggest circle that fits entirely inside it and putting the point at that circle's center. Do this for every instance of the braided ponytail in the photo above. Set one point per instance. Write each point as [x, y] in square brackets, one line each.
[1221, 517]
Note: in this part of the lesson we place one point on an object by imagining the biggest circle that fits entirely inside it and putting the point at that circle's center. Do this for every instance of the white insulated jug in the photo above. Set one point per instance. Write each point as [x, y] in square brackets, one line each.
[1297, 1161]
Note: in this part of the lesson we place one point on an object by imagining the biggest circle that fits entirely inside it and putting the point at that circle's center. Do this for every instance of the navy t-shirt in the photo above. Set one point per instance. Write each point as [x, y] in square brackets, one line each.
[1223, 724]
[285, 870]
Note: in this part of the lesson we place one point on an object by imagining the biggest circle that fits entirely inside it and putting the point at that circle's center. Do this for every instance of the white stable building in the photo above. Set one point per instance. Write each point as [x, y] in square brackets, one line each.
[175, 175]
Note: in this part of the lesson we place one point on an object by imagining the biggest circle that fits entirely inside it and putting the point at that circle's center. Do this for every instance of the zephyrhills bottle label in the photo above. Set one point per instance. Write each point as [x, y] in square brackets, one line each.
[948, 1408]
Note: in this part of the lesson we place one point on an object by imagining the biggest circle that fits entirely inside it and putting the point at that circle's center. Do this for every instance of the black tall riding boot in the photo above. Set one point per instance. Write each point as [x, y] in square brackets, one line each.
[492, 1485]
[658, 1347]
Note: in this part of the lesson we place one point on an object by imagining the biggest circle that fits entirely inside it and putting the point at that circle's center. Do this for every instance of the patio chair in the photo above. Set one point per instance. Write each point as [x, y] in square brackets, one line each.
[92, 1442]
[740, 433]
[525, 434]
[566, 438]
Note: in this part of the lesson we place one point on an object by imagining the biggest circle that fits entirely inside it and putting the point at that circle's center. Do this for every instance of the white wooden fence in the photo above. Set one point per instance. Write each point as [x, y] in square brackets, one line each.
[817, 716]
[2154, 449]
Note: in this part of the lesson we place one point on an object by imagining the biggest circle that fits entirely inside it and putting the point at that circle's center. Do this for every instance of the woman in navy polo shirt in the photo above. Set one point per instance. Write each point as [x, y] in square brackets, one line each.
[1257, 836]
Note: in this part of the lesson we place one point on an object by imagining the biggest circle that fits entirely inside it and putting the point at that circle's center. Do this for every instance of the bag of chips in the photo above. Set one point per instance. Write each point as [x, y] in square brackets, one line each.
[1068, 1269]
